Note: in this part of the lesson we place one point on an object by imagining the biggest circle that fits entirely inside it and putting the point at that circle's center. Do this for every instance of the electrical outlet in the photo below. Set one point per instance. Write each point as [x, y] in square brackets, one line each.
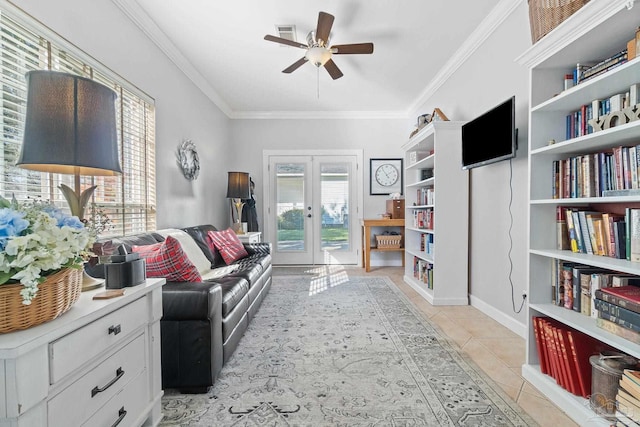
[524, 294]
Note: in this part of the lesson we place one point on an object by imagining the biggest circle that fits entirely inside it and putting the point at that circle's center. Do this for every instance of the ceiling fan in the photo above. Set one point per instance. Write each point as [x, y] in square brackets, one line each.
[319, 51]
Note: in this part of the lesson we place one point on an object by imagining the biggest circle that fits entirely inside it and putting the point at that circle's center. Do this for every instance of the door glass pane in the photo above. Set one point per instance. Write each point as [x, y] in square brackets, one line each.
[290, 206]
[334, 200]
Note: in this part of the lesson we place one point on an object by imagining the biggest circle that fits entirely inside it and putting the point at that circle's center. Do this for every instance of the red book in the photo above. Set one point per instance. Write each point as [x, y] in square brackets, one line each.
[550, 346]
[582, 347]
[570, 365]
[554, 353]
[625, 296]
[540, 346]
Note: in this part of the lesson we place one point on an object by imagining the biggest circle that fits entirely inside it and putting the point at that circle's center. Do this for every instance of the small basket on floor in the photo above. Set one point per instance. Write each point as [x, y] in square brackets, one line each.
[388, 241]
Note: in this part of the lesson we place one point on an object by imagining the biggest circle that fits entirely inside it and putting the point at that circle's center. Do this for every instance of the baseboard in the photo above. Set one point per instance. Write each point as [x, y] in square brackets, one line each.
[506, 321]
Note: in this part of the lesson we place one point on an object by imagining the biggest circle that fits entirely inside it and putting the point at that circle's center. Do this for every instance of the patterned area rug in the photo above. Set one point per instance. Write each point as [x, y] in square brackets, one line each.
[335, 350]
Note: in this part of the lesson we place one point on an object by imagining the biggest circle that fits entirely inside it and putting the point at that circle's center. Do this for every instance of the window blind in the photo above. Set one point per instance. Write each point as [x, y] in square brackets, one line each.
[129, 200]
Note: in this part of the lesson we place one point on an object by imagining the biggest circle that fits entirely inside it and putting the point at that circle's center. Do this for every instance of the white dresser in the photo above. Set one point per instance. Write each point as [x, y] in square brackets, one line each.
[96, 365]
[250, 237]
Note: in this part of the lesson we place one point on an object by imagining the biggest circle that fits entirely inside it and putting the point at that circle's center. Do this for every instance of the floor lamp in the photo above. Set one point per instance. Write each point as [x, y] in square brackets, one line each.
[70, 128]
[238, 189]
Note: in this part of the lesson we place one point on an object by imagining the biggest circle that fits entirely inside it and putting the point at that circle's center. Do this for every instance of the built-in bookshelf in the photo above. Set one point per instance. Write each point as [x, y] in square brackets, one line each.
[597, 31]
[433, 164]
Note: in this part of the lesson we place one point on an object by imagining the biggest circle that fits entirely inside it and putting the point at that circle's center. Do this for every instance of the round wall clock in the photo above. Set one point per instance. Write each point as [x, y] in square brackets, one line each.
[187, 159]
[387, 174]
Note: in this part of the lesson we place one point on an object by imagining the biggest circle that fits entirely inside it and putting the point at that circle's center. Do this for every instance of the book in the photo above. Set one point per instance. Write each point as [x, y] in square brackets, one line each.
[576, 276]
[628, 381]
[618, 330]
[620, 279]
[628, 407]
[607, 316]
[571, 231]
[540, 345]
[624, 296]
[590, 218]
[598, 281]
[634, 234]
[561, 229]
[571, 368]
[582, 347]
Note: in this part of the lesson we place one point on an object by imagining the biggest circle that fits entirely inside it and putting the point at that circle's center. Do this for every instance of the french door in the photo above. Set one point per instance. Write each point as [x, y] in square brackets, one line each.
[311, 208]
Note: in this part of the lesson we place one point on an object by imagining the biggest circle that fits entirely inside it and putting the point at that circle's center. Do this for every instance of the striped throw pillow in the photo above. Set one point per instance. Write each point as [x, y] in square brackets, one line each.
[230, 247]
[167, 259]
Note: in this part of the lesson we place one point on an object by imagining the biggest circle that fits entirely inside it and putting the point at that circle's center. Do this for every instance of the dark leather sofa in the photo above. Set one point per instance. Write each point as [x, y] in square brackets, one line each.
[202, 323]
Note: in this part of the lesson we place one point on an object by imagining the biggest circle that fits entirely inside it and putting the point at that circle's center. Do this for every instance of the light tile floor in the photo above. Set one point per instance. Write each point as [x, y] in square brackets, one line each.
[499, 352]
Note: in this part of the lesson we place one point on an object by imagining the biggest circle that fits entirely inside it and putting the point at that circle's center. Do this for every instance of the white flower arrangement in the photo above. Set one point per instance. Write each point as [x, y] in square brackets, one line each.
[38, 239]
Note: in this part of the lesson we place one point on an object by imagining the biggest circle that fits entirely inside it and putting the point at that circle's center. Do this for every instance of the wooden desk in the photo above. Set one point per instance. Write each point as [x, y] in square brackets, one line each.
[367, 224]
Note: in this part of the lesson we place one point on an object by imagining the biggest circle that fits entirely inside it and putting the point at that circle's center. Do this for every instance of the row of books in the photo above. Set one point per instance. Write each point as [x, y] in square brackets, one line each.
[426, 243]
[425, 196]
[423, 271]
[564, 354]
[620, 305]
[587, 119]
[584, 72]
[606, 173]
[575, 285]
[599, 233]
[423, 219]
[627, 408]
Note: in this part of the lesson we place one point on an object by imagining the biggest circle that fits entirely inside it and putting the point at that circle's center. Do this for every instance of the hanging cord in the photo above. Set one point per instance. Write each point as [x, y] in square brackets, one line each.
[318, 81]
[524, 296]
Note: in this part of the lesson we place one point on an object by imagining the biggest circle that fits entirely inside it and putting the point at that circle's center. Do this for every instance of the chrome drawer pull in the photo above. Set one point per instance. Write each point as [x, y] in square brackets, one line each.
[115, 330]
[96, 389]
[121, 414]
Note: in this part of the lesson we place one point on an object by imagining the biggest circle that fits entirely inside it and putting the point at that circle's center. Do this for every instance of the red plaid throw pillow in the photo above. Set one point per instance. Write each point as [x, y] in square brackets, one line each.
[167, 259]
[230, 247]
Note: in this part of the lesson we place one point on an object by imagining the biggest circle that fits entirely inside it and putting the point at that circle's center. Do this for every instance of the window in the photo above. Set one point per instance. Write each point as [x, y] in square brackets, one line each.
[128, 200]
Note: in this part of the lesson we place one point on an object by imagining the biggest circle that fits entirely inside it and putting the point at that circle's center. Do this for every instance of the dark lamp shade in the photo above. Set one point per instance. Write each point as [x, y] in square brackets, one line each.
[238, 186]
[70, 126]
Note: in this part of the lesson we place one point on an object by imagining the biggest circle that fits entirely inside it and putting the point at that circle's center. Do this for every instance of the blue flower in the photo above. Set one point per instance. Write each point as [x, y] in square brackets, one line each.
[71, 221]
[62, 218]
[11, 224]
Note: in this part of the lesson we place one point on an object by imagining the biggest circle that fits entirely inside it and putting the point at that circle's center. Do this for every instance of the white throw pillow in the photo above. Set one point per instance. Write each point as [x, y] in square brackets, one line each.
[190, 248]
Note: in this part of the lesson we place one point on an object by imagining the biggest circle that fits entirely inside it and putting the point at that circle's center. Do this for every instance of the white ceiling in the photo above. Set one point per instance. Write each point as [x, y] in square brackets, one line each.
[220, 46]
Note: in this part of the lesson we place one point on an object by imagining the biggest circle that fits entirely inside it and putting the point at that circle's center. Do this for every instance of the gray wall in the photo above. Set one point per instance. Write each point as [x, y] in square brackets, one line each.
[182, 110]
[487, 78]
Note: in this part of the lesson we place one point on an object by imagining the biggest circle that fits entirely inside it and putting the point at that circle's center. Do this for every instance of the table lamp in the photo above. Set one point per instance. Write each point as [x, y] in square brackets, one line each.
[238, 189]
[70, 128]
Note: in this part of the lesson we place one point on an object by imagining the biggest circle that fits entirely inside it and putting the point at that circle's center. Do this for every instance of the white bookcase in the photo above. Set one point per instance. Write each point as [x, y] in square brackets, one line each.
[598, 30]
[438, 146]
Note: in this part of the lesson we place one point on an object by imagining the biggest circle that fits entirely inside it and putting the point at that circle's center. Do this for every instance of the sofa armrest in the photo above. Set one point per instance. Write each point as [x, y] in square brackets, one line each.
[263, 248]
[191, 301]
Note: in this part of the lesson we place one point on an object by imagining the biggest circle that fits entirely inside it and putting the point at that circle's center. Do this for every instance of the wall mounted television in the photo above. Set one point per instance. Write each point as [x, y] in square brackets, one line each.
[490, 137]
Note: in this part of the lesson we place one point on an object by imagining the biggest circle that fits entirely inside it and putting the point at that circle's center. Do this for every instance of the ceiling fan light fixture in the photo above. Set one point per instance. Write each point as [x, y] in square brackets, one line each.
[318, 56]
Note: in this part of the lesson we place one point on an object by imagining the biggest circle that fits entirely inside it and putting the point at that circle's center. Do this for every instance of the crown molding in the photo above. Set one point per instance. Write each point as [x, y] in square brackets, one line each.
[482, 32]
[322, 115]
[491, 22]
[142, 20]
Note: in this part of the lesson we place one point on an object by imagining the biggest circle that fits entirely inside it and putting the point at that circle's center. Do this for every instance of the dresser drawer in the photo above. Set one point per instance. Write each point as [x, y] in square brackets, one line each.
[125, 408]
[85, 395]
[72, 351]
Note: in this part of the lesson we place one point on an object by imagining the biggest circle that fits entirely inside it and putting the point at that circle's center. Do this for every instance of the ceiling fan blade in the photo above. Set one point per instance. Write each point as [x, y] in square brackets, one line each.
[333, 69]
[291, 68]
[356, 48]
[325, 22]
[285, 41]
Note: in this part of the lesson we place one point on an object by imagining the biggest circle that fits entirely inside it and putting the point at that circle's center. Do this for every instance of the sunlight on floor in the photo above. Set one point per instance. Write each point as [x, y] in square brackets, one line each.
[328, 276]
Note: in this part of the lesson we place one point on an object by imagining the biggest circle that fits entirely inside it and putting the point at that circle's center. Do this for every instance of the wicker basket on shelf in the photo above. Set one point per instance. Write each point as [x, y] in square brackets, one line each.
[545, 15]
[388, 241]
[55, 296]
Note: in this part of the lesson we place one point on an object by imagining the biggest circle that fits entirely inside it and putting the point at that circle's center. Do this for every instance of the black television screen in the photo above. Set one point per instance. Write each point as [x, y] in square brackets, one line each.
[491, 137]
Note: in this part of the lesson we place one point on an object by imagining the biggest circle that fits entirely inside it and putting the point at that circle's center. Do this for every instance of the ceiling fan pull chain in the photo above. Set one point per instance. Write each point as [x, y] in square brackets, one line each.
[318, 81]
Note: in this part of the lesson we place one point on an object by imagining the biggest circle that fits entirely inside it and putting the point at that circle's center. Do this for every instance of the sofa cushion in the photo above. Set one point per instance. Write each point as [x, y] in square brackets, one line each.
[234, 289]
[168, 260]
[190, 247]
[204, 242]
[251, 272]
[230, 247]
